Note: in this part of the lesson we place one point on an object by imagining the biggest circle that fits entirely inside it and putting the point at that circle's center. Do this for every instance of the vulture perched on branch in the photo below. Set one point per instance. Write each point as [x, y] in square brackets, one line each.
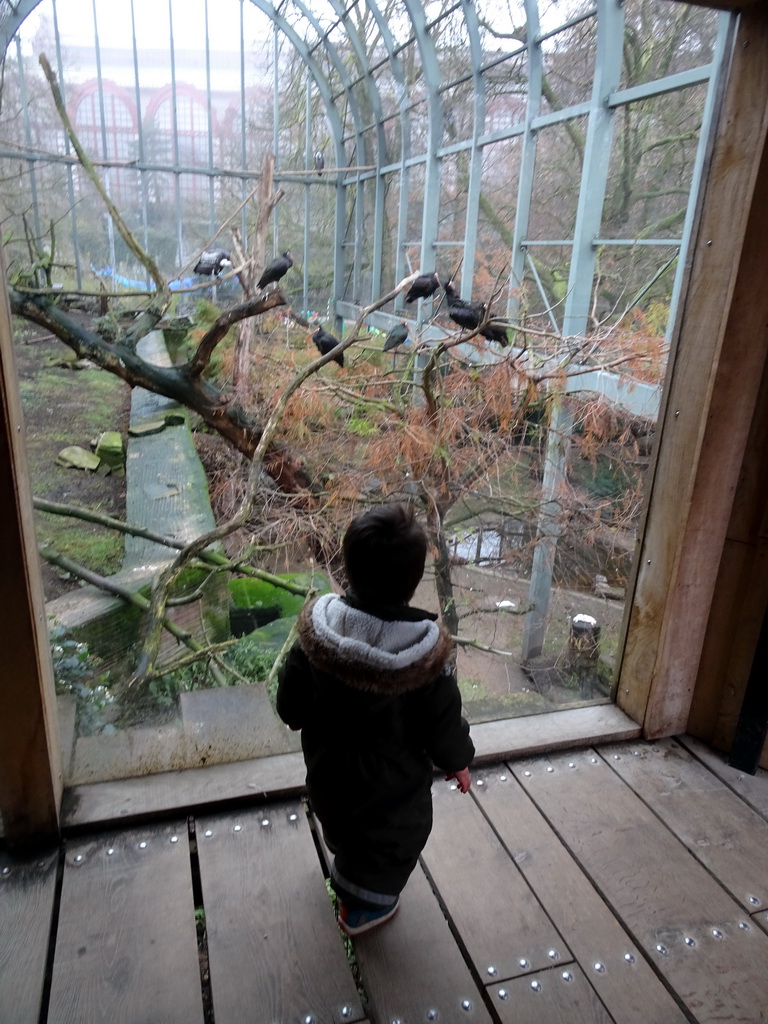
[276, 269]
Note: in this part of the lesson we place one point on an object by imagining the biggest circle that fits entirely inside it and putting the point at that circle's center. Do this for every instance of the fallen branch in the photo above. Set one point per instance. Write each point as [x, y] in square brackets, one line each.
[463, 642]
[211, 558]
[110, 587]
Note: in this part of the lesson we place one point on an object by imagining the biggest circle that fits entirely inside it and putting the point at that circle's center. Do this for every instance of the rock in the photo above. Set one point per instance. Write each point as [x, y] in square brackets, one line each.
[145, 429]
[75, 457]
[110, 449]
[602, 588]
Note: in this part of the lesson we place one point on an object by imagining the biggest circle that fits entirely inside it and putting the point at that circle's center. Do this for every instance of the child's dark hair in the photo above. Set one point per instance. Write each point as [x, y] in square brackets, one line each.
[384, 553]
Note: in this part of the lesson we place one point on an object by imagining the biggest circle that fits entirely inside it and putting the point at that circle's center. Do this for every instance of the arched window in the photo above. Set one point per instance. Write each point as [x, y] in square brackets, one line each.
[111, 136]
[190, 133]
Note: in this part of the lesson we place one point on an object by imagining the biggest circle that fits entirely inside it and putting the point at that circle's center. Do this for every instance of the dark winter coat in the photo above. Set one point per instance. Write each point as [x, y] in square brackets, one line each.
[378, 706]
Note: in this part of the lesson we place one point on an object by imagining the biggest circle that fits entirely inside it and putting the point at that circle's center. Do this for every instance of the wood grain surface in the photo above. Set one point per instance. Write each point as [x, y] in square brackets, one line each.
[686, 923]
[626, 984]
[27, 890]
[499, 920]
[126, 948]
[753, 789]
[560, 995]
[719, 829]
[411, 966]
[275, 951]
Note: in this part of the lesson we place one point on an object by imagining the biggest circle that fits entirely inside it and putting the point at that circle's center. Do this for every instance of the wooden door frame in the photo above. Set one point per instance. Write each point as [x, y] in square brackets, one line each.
[711, 397]
[31, 778]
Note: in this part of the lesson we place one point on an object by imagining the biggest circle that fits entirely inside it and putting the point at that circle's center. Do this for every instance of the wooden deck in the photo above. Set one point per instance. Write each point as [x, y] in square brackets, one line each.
[624, 883]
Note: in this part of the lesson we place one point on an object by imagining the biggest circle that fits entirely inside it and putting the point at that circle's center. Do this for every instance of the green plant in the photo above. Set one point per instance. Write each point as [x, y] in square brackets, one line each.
[74, 672]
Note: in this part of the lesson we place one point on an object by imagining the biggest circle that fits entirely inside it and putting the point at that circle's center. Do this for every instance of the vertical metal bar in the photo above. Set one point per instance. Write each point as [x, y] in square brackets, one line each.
[104, 148]
[209, 104]
[67, 150]
[379, 213]
[594, 172]
[475, 161]
[275, 130]
[307, 194]
[433, 164]
[28, 139]
[725, 28]
[142, 148]
[180, 256]
[527, 160]
[243, 134]
[594, 176]
[357, 251]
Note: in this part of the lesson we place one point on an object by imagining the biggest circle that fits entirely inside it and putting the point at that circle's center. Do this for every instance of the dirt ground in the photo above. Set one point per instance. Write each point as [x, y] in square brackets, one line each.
[66, 406]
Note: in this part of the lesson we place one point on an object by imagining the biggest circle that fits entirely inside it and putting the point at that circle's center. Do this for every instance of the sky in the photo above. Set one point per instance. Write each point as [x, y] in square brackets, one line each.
[76, 22]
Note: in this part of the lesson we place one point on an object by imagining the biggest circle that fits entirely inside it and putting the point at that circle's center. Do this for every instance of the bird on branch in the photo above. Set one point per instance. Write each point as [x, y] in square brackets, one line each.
[424, 286]
[326, 342]
[469, 316]
[276, 269]
[396, 336]
[319, 161]
[213, 262]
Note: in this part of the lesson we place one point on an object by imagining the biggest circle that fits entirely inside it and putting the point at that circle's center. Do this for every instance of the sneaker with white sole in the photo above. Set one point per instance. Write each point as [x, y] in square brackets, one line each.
[355, 922]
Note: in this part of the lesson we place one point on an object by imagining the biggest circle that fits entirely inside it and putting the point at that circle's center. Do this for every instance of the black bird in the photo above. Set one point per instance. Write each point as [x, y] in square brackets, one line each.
[276, 269]
[396, 336]
[494, 331]
[213, 261]
[424, 286]
[470, 315]
[319, 160]
[325, 343]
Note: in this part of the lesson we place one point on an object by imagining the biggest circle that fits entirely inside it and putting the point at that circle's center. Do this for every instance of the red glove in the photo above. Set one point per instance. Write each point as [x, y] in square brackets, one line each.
[463, 779]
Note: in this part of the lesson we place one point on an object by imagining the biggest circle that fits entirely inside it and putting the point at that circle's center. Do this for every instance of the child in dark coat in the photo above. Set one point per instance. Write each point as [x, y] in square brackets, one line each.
[370, 684]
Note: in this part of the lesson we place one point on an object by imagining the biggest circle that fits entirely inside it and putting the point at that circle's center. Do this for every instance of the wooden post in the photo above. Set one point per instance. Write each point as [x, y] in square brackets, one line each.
[30, 761]
[720, 350]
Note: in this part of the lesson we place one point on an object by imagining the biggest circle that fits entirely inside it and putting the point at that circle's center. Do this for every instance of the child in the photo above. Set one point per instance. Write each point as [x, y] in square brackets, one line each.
[371, 686]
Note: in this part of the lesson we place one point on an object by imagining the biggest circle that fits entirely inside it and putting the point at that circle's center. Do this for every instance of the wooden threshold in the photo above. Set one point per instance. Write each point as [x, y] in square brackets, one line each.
[270, 778]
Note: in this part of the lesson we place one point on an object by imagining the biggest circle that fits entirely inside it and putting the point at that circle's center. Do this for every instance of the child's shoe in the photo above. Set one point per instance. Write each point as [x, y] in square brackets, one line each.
[355, 922]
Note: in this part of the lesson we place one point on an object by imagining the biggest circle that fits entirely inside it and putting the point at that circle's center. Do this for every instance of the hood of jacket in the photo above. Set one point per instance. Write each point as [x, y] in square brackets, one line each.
[369, 653]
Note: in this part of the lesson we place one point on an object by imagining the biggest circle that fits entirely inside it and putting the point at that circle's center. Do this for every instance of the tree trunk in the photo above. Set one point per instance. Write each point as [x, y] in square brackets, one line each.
[443, 581]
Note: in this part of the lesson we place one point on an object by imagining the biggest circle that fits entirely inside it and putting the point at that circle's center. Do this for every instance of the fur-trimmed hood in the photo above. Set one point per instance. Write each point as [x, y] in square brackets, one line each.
[370, 653]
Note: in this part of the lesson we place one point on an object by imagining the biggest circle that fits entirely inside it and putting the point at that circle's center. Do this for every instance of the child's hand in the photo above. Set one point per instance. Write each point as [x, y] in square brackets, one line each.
[463, 779]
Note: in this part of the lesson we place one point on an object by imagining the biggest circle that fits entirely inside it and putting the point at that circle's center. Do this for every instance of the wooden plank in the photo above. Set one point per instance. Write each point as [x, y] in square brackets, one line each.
[411, 967]
[129, 800]
[695, 935]
[30, 763]
[126, 949]
[500, 922]
[561, 995]
[626, 984]
[273, 942]
[27, 892]
[713, 379]
[533, 734]
[725, 835]
[753, 789]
